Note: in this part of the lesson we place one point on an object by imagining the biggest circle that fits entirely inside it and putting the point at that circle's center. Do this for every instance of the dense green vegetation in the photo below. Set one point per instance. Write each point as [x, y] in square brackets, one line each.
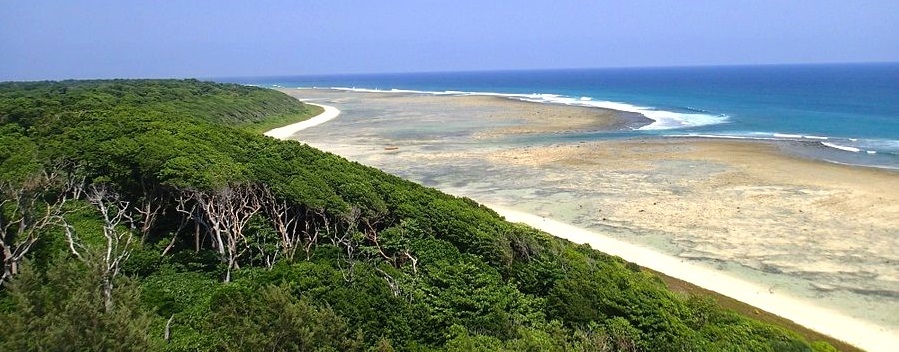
[141, 215]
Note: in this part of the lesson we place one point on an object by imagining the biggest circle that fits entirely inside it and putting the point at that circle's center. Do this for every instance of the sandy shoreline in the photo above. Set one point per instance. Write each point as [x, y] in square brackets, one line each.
[736, 201]
[285, 132]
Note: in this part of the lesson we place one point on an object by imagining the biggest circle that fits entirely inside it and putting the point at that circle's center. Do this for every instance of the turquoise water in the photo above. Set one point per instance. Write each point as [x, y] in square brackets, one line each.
[847, 113]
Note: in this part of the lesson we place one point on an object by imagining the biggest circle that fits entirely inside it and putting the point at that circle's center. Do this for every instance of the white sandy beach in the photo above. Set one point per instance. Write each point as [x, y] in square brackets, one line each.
[854, 331]
[289, 130]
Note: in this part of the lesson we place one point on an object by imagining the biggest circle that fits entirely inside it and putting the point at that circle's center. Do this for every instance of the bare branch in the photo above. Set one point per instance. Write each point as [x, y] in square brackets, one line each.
[27, 210]
[391, 282]
[225, 214]
[113, 210]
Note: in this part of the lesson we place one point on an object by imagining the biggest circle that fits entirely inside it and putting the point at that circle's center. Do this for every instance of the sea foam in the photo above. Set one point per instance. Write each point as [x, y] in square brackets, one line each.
[852, 145]
[841, 147]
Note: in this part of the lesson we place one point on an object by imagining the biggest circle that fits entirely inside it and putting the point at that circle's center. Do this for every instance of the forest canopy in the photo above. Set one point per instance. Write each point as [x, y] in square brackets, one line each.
[152, 215]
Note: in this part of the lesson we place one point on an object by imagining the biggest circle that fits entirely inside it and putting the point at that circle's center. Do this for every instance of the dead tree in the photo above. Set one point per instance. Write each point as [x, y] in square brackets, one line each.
[347, 240]
[113, 209]
[371, 234]
[185, 206]
[147, 209]
[26, 211]
[413, 259]
[225, 214]
[391, 282]
[284, 218]
[312, 231]
[268, 255]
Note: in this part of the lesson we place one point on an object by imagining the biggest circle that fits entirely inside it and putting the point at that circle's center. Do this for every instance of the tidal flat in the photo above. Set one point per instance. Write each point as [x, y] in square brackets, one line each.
[824, 233]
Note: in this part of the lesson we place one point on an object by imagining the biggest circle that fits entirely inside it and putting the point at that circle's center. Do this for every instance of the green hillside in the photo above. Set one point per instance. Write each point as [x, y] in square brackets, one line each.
[149, 214]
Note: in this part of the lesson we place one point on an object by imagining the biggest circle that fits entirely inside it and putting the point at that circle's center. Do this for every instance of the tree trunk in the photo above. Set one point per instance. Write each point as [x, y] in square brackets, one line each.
[197, 237]
[107, 294]
[168, 328]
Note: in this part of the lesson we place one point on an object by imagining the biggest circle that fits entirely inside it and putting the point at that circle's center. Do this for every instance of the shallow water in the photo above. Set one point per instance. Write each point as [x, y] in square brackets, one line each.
[800, 254]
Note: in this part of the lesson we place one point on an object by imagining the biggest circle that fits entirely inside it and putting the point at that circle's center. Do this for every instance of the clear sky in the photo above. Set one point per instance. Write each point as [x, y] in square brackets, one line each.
[43, 39]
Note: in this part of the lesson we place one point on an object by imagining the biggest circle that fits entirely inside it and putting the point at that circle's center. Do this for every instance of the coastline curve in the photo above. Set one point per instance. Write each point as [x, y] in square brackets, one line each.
[285, 132]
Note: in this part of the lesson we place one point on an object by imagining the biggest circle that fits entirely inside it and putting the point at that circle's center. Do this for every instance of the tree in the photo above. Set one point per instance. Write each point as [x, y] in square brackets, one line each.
[27, 210]
[285, 218]
[270, 319]
[225, 214]
[113, 210]
[64, 309]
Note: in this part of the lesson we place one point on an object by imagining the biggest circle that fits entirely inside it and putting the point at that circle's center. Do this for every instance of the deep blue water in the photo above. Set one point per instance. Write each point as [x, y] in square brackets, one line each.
[854, 106]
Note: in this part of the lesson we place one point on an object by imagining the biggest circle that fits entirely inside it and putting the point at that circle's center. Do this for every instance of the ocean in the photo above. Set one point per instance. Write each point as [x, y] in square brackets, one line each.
[843, 113]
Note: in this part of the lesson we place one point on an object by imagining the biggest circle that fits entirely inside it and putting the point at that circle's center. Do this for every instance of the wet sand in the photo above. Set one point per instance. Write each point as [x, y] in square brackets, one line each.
[820, 233]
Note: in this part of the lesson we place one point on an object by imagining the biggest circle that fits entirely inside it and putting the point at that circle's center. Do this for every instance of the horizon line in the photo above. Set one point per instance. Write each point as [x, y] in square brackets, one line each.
[375, 73]
[371, 73]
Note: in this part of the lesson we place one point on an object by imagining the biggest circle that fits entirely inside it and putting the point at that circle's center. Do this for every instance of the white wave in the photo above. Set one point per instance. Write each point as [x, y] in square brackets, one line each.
[720, 136]
[360, 90]
[696, 109]
[886, 145]
[841, 147]
[853, 145]
[889, 167]
[662, 119]
[669, 120]
[800, 136]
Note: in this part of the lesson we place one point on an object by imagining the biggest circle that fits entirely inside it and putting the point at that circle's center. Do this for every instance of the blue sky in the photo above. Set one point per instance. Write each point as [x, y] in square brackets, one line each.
[102, 39]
